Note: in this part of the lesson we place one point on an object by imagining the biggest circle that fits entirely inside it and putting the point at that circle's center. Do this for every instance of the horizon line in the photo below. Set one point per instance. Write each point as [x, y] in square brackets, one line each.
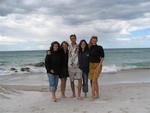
[46, 49]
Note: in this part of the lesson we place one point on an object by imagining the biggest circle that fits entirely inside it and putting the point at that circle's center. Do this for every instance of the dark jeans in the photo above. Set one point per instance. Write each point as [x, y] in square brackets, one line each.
[85, 82]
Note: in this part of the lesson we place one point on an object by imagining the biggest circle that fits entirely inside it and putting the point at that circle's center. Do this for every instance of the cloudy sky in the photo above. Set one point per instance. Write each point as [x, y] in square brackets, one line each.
[34, 24]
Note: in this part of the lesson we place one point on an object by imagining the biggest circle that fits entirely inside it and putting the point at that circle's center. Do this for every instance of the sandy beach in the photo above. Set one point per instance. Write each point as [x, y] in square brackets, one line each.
[122, 92]
[80, 39]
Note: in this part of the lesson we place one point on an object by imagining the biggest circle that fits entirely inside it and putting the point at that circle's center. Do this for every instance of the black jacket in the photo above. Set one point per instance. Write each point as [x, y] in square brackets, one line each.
[96, 52]
[64, 64]
[64, 58]
[84, 61]
[53, 62]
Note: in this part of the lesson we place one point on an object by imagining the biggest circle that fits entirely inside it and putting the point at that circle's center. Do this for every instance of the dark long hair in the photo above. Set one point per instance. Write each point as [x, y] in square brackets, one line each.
[86, 46]
[64, 42]
[52, 45]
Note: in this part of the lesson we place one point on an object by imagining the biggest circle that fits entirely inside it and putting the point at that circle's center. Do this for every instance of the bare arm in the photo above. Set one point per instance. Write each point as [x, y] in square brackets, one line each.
[101, 61]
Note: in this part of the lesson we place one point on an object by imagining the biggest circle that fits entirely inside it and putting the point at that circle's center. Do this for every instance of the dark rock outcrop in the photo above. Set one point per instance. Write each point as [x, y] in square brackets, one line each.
[13, 69]
[40, 64]
[27, 69]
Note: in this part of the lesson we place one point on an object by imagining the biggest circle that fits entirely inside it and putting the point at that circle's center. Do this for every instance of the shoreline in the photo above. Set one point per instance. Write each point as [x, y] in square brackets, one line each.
[122, 77]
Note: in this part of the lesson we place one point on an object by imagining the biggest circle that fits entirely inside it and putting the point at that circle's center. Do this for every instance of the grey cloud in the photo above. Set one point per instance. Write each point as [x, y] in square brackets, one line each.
[98, 9]
[16, 6]
[79, 12]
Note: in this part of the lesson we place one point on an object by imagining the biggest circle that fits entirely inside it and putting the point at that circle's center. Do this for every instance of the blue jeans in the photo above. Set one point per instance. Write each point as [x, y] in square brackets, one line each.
[53, 81]
[85, 82]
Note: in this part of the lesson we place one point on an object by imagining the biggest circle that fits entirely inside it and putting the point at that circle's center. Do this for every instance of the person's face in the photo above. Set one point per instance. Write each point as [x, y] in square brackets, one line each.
[55, 47]
[64, 45]
[83, 44]
[73, 39]
[94, 41]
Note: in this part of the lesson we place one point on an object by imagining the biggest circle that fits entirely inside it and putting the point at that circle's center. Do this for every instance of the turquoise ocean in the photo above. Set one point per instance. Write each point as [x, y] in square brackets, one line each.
[115, 60]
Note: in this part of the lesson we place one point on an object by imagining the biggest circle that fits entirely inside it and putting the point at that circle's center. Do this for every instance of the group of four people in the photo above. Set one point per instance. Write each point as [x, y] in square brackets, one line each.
[78, 62]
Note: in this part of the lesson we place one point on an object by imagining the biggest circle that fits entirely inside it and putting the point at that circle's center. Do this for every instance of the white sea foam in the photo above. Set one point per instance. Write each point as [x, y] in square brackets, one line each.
[106, 69]
[114, 68]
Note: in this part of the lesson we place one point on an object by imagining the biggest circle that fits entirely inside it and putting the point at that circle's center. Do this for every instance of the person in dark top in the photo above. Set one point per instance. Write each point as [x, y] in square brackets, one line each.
[84, 64]
[96, 58]
[64, 70]
[53, 67]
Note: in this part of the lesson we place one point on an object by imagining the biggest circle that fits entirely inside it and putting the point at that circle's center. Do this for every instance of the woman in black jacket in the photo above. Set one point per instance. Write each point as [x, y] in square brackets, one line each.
[53, 67]
[84, 64]
[96, 58]
[64, 70]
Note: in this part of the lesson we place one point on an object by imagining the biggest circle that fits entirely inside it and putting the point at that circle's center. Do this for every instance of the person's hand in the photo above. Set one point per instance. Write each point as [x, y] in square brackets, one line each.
[49, 52]
[52, 71]
[98, 67]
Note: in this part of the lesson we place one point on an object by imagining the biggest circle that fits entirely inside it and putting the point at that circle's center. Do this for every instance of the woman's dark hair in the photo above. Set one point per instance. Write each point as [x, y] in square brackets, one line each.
[64, 42]
[86, 46]
[52, 45]
[73, 35]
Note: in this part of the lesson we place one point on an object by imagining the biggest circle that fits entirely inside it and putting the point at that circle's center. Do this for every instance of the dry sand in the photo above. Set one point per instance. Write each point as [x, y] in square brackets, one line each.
[114, 97]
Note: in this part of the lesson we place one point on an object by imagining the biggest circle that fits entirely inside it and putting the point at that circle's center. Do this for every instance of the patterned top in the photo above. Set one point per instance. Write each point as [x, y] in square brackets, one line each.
[73, 56]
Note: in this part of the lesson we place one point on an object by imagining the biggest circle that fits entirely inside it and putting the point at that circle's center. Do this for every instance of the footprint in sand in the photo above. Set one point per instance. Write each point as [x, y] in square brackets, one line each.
[75, 110]
[109, 111]
[34, 109]
[84, 111]
[132, 98]
[124, 110]
[148, 108]
[106, 99]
